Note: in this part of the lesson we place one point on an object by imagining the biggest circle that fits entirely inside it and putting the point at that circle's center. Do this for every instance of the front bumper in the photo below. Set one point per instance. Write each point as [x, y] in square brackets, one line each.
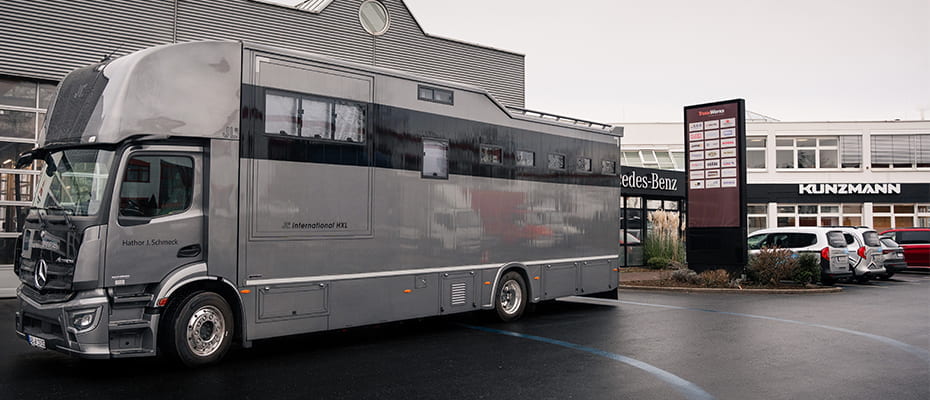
[52, 324]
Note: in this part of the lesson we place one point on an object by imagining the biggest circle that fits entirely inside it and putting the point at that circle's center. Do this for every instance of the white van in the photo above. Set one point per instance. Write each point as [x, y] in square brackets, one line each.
[865, 252]
[828, 243]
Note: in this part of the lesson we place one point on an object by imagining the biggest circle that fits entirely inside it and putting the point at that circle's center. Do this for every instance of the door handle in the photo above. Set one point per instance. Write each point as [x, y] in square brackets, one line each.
[189, 251]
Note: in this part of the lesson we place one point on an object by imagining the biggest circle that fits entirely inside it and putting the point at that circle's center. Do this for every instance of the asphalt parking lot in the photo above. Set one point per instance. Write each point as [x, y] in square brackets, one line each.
[867, 342]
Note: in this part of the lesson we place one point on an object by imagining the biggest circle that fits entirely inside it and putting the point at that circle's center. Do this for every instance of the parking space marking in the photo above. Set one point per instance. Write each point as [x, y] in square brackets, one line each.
[688, 389]
[917, 351]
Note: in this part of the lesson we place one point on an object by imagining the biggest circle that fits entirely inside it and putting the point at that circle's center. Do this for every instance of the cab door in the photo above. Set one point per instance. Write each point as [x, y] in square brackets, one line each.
[156, 216]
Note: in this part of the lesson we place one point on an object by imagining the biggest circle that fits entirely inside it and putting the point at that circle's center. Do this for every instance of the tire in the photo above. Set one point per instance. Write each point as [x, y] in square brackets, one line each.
[199, 329]
[886, 276]
[827, 280]
[863, 279]
[511, 298]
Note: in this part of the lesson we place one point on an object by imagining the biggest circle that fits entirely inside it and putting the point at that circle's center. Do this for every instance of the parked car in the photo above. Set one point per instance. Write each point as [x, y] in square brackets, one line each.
[893, 258]
[916, 244]
[828, 244]
[865, 252]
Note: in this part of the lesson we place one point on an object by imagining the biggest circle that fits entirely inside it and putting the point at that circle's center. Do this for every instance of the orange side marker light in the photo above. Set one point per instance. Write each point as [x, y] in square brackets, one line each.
[407, 290]
[245, 291]
[487, 283]
[162, 301]
[536, 278]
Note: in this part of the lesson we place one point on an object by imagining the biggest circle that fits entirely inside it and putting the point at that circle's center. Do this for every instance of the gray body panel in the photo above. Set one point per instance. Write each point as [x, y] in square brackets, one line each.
[301, 246]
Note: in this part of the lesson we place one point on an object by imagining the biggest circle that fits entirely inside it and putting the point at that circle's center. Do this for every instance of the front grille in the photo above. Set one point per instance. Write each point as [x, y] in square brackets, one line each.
[47, 296]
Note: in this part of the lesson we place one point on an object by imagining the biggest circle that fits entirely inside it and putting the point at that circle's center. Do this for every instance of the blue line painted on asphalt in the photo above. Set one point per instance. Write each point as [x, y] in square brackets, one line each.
[688, 389]
[917, 351]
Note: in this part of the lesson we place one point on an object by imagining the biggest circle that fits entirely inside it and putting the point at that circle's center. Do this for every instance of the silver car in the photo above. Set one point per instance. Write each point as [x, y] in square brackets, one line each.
[893, 258]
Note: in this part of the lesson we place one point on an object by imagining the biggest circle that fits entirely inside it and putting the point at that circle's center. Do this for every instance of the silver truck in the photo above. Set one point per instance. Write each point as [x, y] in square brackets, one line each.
[199, 194]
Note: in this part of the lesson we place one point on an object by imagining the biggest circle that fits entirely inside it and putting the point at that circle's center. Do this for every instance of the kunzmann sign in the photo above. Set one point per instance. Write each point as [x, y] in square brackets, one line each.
[849, 188]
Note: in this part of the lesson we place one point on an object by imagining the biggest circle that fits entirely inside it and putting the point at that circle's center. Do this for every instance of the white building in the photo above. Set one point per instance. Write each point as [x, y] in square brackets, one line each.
[815, 173]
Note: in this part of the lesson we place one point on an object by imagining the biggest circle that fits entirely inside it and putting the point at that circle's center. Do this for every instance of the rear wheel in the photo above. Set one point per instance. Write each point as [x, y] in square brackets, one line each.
[199, 329]
[511, 297]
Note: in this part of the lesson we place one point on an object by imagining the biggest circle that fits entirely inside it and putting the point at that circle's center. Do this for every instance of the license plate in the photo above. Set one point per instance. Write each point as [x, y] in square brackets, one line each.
[36, 341]
[899, 256]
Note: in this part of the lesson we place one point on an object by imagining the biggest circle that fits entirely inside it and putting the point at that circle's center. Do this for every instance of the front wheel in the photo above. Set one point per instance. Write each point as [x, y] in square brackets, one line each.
[511, 297]
[199, 330]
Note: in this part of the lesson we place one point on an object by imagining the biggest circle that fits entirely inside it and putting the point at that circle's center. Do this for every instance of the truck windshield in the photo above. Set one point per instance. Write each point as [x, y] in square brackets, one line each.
[74, 180]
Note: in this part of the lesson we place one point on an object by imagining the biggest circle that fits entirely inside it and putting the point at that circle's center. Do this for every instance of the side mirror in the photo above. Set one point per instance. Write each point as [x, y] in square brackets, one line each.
[132, 221]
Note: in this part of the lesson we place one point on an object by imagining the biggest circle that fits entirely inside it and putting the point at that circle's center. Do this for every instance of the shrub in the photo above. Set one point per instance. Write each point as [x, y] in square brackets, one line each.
[685, 276]
[663, 239]
[657, 262]
[715, 278]
[772, 265]
[808, 269]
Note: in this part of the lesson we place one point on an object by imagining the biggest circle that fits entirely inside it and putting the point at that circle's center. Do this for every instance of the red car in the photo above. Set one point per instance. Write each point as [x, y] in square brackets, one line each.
[916, 244]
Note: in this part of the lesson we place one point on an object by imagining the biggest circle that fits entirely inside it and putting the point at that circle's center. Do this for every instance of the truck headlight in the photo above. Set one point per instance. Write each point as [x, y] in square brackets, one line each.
[83, 319]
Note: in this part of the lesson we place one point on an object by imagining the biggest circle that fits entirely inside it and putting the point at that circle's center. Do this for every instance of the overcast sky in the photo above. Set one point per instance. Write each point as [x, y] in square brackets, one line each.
[642, 61]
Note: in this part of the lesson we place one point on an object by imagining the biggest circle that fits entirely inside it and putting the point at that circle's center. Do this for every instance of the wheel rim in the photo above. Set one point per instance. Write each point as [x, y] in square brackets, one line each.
[206, 331]
[511, 297]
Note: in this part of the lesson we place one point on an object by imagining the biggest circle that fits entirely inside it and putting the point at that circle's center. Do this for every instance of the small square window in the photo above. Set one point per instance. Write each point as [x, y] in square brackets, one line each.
[556, 161]
[491, 154]
[583, 164]
[435, 95]
[608, 167]
[526, 158]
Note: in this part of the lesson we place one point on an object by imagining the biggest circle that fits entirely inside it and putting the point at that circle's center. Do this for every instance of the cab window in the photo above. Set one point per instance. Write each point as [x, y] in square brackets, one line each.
[156, 185]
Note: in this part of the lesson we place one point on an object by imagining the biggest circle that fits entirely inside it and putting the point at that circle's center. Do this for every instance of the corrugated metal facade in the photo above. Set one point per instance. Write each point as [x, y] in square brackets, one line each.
[45, 39]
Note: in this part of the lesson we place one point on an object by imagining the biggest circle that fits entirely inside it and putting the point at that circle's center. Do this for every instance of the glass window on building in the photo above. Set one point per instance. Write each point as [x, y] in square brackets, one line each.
[851, 215]
[679, 157]
[829, 215]
[23, 104]
[807, 215]
[755, 152]
[901, 151]
[892, 216]
[756, 215]
[807, 152]
[631, 159]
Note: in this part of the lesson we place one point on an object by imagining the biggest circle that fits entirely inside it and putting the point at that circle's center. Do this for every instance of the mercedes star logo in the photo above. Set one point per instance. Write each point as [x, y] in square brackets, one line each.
[41, 277]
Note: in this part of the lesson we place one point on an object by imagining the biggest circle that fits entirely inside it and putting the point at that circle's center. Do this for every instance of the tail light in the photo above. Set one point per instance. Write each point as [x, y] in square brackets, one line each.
[887, 251]
[861, 252]
[825, 253]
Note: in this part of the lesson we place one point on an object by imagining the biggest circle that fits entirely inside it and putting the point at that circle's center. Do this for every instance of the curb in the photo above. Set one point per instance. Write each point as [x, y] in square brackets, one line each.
[732, 291]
